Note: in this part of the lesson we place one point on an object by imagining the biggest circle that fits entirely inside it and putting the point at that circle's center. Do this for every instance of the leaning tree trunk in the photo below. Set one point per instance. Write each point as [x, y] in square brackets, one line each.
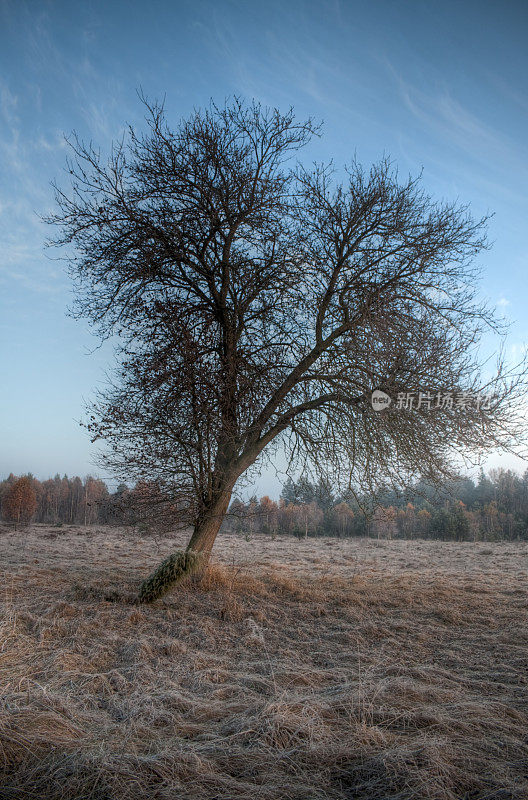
[191, 561]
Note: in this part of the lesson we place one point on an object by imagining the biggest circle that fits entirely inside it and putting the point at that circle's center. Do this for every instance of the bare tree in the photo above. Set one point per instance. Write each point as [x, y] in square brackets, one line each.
[258, 303]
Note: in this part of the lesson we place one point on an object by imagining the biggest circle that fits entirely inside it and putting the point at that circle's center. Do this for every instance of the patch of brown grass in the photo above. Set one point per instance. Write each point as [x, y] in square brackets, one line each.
[293, 670]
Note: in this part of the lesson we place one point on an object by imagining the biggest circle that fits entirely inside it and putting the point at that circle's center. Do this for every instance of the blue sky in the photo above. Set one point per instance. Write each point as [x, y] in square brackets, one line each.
[437, 86]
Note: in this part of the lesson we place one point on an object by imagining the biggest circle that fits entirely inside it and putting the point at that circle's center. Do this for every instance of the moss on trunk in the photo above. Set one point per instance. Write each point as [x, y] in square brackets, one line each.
[173, 569]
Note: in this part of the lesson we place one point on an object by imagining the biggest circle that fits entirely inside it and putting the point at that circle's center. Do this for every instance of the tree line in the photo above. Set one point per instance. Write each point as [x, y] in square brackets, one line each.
[58, 500]
[493, 507]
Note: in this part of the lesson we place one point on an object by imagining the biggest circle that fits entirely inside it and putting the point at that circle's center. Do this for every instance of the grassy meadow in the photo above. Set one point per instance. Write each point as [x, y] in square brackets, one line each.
[322, 668]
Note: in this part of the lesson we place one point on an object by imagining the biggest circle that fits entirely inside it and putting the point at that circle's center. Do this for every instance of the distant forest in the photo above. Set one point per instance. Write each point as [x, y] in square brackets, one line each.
[60, 500]
[493, 507]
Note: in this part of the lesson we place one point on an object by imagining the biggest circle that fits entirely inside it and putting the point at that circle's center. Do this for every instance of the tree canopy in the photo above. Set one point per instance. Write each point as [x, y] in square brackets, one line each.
[258, 302]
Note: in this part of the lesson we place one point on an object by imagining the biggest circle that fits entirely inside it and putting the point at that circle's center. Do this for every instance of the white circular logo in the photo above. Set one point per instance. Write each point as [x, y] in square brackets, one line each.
[380, 400]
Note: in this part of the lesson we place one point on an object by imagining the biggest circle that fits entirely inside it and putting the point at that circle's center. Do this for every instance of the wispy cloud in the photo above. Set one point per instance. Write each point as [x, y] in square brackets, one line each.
[448, 119]
[451, 122]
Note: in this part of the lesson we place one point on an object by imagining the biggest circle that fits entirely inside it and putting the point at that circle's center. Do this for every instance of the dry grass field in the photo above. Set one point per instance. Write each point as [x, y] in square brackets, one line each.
[312, 669]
